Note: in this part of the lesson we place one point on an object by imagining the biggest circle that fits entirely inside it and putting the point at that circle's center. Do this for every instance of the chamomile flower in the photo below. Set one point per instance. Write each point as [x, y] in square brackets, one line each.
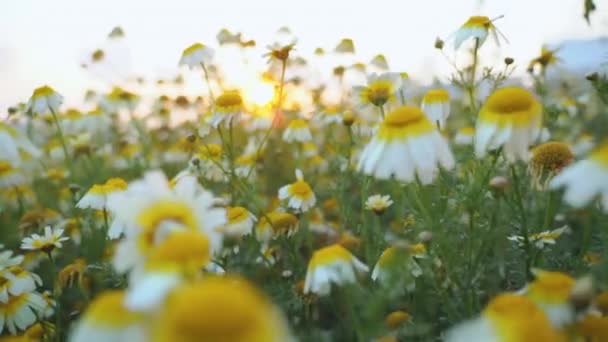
[436, 106]
[227, 107]
[300, 195]
[107, 319]
[331, 265]
[180, 257]
[297, 130]
[465, 136]
[152, 210]
[407, 145]
[399, 261]
[380, 89]
[585, 179]
[196, 55]
[240, 221]
[13, 143]
[17, 281]
[331, 114]
[379, 61]
[51, 240]
[583, 144]
[508, 317]
[478, 28]
[549, 159]
[511, 118]
[346, 45]
[551, 292]
[548, 237]
[191, 313]
[44, 100]
[21, 311]
[378, 203]
[98, 194]
[10, 176]
[274, 224]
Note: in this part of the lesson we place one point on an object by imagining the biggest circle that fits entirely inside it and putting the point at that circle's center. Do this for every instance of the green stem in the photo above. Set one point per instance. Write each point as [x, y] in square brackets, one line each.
[61, 137]
[208, 83]
[523, 217]
[471, 86]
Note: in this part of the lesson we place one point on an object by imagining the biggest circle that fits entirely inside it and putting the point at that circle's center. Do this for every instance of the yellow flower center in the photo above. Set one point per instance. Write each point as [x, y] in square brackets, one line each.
[43, 91]
[236, 214]
[551, 156]
[404, 121]
[217, 309]
[478, 21]
[231, 99]
[279, 222]
[396, 318]
[107, 310]
[188, 250]
[163, 212]
[601, 154]
[328, 255]
[517, 318]
[193, 48]
[97, 55]
[511, 106]
[300, 189]
[551, 287]
[298, 124]
[5, 167]
[379, 92]
[436, 96]
[467, 130]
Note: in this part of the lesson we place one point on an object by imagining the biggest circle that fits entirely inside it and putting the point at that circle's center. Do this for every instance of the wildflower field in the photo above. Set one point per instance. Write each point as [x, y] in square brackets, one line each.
[475, 209]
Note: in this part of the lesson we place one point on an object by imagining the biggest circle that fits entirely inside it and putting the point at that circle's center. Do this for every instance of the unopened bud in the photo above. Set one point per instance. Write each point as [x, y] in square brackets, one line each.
[582, 292]
[425, 236]
[438, 43]
[499, 183]
[191, 138]
[348, 118]
[592, 76]
[74, 188]
[509, 61]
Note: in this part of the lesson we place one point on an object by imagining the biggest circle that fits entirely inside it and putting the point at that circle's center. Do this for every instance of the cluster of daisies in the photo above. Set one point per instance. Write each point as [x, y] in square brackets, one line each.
[164, 211]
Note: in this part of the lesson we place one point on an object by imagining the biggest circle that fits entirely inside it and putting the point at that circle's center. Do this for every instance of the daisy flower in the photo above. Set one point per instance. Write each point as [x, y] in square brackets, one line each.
[346, 45]
[378, 203]
[583, 144]
[331, 114]
[476, 27]
[13, 143]
[274, 224]
[399, 261]
[331, 265]
[380, 89]
[246, 314]
[548, 237]
[585, 179]
[181, 256]
[507, 317]
[279, 52]
[511, 118]
[300, 195]
[152, 210]
[240, 221]
[549, 159]
[20, 312]
[195, 55]
[379, 61]
[51, 239]
[436, 106]
[10, 176]
[44, 100]
[297, 130]
[407, 145]
[107, 319]
[227, 107]
[551, 291]
[465, 136]
[98, 194]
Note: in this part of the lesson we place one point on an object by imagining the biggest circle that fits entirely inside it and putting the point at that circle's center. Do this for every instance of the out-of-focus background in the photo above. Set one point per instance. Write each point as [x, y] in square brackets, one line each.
[45, 42]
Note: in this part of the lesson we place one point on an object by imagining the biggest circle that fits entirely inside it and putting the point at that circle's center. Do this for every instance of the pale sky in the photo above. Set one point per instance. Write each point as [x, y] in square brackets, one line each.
[43, 42]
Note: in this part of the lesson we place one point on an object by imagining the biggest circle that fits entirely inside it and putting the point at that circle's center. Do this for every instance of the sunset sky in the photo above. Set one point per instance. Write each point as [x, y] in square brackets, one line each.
[43, 42]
